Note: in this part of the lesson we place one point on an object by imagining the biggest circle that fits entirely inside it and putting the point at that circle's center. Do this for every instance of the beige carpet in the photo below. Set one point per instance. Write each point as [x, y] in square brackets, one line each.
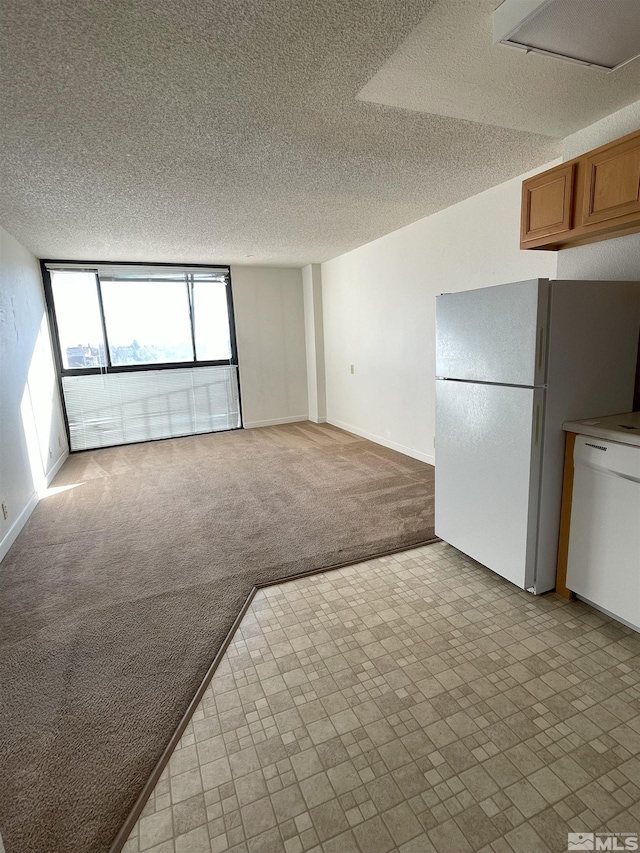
[120, 590]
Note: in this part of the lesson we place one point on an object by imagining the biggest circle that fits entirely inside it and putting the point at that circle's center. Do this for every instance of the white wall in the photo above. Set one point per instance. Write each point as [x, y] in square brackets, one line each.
[269, 314]
[617, 259]
[379, 312]
[33, 441]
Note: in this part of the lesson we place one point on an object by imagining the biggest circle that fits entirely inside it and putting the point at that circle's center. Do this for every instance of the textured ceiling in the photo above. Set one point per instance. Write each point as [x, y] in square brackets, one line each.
[449, 66]
[227, 130]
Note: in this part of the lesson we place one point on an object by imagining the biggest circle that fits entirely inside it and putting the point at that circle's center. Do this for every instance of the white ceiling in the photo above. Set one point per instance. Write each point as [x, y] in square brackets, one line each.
[449, 66]
[232, 131]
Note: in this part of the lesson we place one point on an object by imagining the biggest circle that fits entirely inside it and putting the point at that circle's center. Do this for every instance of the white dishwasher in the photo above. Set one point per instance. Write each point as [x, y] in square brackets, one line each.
[603, 566]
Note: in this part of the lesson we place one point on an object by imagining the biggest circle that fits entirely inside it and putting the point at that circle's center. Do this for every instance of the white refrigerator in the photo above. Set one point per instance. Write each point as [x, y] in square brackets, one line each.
[512, 363]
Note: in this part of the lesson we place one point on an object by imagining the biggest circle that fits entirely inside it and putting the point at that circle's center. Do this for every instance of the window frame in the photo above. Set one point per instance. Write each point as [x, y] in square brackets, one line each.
[92, 266]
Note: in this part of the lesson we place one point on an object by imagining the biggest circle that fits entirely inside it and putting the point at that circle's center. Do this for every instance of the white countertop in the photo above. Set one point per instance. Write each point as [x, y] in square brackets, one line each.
[623, 428]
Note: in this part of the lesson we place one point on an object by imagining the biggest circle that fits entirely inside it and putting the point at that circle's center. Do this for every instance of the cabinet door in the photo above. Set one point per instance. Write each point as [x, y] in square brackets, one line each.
[547, 203]
[612, 182]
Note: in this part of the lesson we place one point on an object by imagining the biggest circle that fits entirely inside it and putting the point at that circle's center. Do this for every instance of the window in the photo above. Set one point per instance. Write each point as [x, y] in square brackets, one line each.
[148, 322]
[144, 352]
[79, 325]
[149, 317]
[211, 332]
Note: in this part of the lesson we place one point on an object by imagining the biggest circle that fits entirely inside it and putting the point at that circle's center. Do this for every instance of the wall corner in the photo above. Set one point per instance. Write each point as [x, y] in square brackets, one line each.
[314, 339]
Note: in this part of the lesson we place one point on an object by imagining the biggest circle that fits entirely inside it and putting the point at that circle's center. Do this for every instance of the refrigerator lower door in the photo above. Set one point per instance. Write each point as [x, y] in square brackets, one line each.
[488, 455]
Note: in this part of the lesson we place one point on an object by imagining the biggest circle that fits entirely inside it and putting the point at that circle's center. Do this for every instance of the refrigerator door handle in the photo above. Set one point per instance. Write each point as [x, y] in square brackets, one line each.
[537, 424]
[541, 349]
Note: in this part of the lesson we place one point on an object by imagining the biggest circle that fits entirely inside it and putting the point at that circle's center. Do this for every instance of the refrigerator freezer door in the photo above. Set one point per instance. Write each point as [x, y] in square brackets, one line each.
[494, 334]
[488, 454]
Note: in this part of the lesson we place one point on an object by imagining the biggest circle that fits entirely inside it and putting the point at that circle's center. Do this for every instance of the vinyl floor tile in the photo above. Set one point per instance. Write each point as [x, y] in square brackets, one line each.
[415, 702]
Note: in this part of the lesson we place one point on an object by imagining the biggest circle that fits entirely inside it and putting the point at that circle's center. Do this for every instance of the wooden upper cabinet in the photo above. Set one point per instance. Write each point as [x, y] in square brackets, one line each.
[546, 203]
[594, 197]
[612, 182]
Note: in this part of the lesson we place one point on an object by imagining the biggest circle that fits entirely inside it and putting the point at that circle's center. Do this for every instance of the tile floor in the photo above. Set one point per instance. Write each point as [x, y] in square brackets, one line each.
[416, 703]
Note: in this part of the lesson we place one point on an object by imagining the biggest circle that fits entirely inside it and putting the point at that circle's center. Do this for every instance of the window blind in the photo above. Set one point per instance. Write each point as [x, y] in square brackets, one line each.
[120, 408]
[134, 271]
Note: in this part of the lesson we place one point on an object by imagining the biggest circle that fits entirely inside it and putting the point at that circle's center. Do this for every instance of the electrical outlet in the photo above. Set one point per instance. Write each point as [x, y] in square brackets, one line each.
[353, 368]
[59, 442]
[50, 453]
[5, 512]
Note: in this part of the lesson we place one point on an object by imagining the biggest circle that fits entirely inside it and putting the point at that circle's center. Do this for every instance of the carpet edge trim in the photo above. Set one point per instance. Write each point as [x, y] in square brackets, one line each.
[140, 803]
[130, 821]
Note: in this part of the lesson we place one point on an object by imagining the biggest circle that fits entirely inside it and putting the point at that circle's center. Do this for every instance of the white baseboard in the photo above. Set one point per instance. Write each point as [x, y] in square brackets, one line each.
[57, 465]
[318, 420]
[393, 445]
[292, 420]
[12, 533]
